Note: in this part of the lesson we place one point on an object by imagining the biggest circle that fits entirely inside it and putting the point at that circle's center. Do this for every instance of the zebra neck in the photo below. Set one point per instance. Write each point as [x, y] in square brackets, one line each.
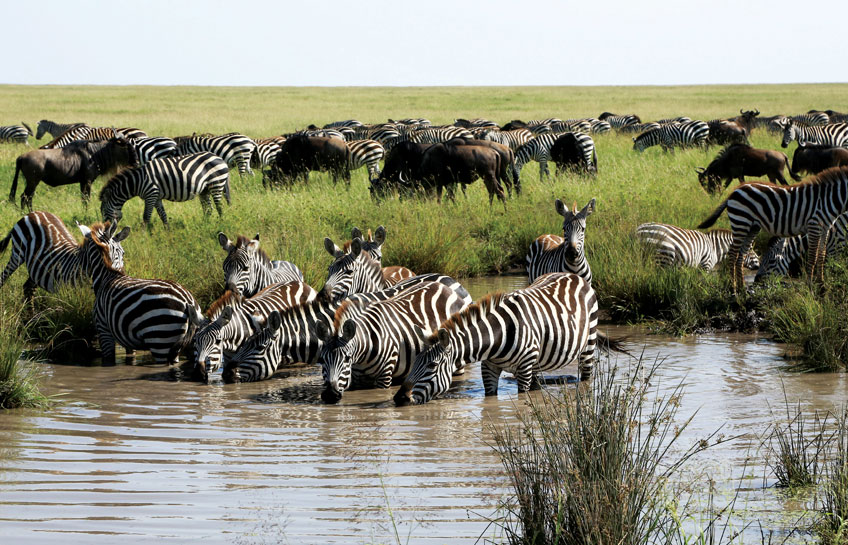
[298, 338]
[102, 276]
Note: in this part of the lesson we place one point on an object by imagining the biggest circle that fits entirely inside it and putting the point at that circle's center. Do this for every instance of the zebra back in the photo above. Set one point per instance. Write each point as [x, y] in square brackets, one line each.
[247, 268]
[15, 133]
[234, 148]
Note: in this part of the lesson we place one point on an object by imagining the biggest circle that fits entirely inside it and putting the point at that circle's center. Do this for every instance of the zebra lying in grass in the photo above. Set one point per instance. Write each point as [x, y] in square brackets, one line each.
[677, 246]
[785, 255]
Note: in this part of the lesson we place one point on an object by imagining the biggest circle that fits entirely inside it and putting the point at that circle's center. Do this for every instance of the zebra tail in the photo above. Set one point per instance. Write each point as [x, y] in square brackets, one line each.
[608, 345]
[789, 168]
[15, 181]
[29, 130]
[712, 219]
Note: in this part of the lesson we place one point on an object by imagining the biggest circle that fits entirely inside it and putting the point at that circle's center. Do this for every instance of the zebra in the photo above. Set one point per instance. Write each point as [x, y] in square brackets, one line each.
[571, 125]
[833, 136]
[387, 136]
[378, 341]
[810, 207]
[171, 179]
[350, 123]
[373, 244]
[84, 132]
[234, 148]
[639, 128]
[266, 150]
[52, 255]
[417, 121]
[618, 122]
[437, 135]
[136, 313]
[340, 133]
[366, 153]
[16, 133]
[45, 126]
[783, 254]
[248, 270]
[551, 253]
[810, 119]
[149, 148]
[514, 139]
[230, 321]
[289, 336]
[555, 318]
[539, 149]
[677, 246]
[694, 133]
[475, 123]
[670, 120]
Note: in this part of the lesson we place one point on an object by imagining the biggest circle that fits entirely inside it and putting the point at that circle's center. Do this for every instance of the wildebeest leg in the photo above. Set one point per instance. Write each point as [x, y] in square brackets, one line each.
[85, 191]
[778, 177]
[26, 198]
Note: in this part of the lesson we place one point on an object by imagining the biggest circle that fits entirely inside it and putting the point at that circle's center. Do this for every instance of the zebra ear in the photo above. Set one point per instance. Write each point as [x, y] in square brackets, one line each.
[588, 209]
[348, 330]
[124, 233]
[322, 330]
[253, 245]
[195, 317]
[332, 249]
[356, 247]
[84, 229]
[380, 235]
[225, 317]
[225, 243]
[422, 335]
[444, 337]
[355, 233]
[560, 208]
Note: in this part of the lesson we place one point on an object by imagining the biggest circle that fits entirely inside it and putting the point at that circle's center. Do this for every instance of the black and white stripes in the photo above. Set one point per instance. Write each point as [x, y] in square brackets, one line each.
[234, 148]
[681, 135]
[677, 246]
[248, 270]
[15, 133]
[834, 135]
[551, 253]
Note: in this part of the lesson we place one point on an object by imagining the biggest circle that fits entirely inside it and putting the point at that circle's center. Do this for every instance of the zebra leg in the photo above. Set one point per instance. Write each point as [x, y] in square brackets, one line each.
[524, 375]
[216, 198]
[29, 291]
[206, 204]
[491, 375]
[739, 256]
[107, 342]
[162, 215]
[384, 380]
[15, 261]
[815, 252]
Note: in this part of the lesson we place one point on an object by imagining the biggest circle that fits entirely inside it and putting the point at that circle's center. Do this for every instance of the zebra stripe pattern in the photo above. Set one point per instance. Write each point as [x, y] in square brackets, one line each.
[677, 246]
[234, 148]
[171, 179]
[514, 139]
[51, 254]
[694, 133]
[551, 253]
[136, 313]
[373, 244]
[620, 121]
[542, 327]
[16, 133]
[230, 321]
[84, 132]
[366, 153]
[810, 208]
[149, 148]
[266, 150]
[586, 145]
[784, 254]
[834, 135]
[378, 342]
[349, 123]
[811, 119]
[45, 126]
[538, 149]
[437, 135]
[248, 270]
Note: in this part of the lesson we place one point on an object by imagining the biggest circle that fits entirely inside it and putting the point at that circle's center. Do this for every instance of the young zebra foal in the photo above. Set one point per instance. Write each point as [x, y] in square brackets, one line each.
[785, 254]
[248, 270]
[169, 178]
[677, 246]
[373, 244]
[551, 253]
[51, 254]
[135, 313]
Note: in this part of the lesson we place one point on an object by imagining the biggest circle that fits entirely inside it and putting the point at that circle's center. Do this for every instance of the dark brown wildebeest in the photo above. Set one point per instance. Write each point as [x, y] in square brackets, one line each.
[507, 163]
[740, 160]
[733, 130]
[79, 162]
[400, 170]
[566, 152]
[814, 159]
[301, 154]
[445, 165]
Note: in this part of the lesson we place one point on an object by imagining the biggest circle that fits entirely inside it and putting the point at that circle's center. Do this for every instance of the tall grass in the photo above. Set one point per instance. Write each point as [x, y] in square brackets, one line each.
[797, 447]
[18, 379]
[832, 527]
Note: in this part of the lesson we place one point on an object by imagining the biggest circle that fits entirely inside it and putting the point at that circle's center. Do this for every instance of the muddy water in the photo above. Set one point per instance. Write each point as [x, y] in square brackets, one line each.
[133, 455]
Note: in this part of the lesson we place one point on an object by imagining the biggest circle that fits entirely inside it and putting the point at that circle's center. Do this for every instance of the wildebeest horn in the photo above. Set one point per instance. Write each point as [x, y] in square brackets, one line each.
[700, 169]
[756, 111]
[400, 177]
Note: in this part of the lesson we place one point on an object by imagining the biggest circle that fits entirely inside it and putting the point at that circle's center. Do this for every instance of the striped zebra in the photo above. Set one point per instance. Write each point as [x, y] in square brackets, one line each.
[556, 319]
[514, 139]
[340, 133]
[178, 179]
[833, 136]
[265, 152]
[551, 253]
[810, 119]
[618, 122]
[230, 321]
[234, 148]
[810, 208]
[136, 313]
[52, 256]
[373, 244]
[377, 342]
[94, 134]
[681, 135]
[438, 135]
[288, 336]
[639, 128]
[386, 135]
[596, 126]
[577, 149]
[45, 126]
[475, 123]
[571, 125]
[149, 148]
[416, 121]
[248, 269]
[539, 149]
[366, 153]
[670, 120]
[784, 255]
[16, 133]
[349, 123]
[677, 246]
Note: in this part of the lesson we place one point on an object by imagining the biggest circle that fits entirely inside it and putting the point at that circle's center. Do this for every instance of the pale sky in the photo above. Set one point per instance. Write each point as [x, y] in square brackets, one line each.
[422, 42]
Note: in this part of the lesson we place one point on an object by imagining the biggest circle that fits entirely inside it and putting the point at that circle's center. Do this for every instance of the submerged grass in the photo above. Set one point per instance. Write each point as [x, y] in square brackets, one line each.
[797, 447]
[832, 526]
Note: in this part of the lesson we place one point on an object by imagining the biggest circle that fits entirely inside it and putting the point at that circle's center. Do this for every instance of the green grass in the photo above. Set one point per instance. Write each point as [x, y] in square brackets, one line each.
[462, 238]
[18, 379]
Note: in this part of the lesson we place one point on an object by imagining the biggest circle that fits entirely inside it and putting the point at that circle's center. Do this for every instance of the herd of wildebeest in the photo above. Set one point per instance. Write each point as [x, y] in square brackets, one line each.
[376, 326]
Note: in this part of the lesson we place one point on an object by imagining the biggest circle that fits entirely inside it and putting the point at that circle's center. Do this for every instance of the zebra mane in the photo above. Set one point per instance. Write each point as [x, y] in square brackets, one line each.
[338, 317]
[368, 238]
[229, 299]
[97, 231]
[471, 313]
[242, 242]
[648, 133]
[71, 128]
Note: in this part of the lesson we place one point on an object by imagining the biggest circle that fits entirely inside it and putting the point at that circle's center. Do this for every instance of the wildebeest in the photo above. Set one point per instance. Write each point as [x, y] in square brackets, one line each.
[300, 154]
[814, 159]
[508, 175]
[400, 169]
[79, 162]
[740, 160]
[444, 165]
[733, 130]
[566, 152]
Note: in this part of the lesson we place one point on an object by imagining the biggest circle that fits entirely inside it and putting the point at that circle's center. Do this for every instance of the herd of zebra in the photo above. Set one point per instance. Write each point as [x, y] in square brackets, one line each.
[377, 326]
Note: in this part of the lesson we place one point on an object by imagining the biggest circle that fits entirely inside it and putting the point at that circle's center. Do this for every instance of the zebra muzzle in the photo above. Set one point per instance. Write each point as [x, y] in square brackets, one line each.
[331, 396]
[403, 397]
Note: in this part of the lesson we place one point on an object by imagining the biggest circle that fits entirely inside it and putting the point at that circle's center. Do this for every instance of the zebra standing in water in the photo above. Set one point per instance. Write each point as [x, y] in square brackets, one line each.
[233, 148]
[556, 318]
[378, 341]
[45, 126]
[16, 133]
[248, 270]
[230, 321]
[366, 153]
[136, 313]
[784, 254]
[693, 133]
[149, 148]
[172, 179]
[833, 136]
[51, 254]
[551, 253]
[95, 134]
[810, 208]
[676, 246]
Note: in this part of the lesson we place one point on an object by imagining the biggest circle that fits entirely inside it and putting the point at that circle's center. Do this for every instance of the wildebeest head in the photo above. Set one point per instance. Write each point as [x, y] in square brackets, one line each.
[574, 227]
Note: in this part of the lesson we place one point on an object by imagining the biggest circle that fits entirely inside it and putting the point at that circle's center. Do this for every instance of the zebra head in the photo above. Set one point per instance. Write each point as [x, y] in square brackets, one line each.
[574, 228]
[775, 260]
[373, 244]
[431, 372]
[336, 358]
[41, 129]
[354, 272]
[242, 263]
[260, 355]
[208, 341]
[790, 132]
[101, 240]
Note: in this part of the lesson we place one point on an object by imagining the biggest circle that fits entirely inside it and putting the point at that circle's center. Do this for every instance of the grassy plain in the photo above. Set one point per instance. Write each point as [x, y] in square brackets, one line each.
[462, 238]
